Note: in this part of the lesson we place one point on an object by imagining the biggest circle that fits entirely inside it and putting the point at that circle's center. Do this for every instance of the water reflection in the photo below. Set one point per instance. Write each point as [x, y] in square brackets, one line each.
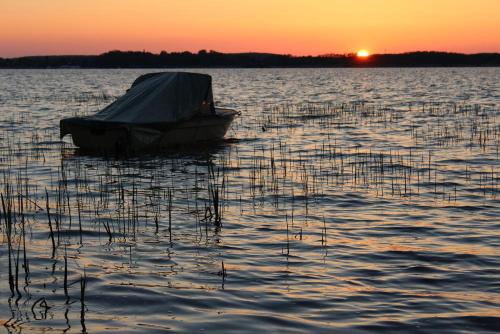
[318, 217]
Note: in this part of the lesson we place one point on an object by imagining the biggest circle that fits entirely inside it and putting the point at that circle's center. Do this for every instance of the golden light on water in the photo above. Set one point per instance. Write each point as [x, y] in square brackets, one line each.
[363, 53]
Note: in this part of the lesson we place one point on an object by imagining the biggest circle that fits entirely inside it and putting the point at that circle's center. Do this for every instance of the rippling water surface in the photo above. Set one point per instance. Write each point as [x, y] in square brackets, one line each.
[342, 200]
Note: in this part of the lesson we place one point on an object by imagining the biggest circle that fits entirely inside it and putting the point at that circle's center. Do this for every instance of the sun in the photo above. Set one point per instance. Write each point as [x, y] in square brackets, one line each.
[363, 53]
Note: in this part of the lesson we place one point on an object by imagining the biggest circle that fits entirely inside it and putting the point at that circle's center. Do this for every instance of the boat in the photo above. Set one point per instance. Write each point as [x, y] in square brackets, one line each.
[160, 110]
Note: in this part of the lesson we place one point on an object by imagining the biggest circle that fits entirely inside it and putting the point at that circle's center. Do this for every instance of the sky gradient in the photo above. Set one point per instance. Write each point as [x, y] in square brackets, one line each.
[305, 27]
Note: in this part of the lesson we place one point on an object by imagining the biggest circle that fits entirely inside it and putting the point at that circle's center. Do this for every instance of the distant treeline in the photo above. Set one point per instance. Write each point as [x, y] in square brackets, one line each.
[204, 59]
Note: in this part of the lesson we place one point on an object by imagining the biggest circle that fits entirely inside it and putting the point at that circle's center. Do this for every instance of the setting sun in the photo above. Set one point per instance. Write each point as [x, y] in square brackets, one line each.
[363, 53]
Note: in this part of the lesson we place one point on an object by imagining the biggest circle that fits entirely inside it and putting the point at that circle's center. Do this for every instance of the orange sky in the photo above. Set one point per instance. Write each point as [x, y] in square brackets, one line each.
[300, 27]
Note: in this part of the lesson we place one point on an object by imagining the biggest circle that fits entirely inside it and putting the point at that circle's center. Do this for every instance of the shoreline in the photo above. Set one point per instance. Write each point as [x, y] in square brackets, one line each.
[212, 59]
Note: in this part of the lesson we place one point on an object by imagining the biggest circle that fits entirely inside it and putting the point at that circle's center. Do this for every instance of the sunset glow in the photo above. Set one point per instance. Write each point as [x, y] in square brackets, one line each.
[298, 27]
[363, 53]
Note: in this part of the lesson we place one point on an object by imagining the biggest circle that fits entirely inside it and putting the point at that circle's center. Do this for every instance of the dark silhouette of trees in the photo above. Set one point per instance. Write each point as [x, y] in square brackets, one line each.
[206, 59]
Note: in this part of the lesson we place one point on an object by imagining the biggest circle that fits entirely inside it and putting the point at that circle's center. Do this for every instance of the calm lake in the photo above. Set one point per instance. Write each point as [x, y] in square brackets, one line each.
[341, 200]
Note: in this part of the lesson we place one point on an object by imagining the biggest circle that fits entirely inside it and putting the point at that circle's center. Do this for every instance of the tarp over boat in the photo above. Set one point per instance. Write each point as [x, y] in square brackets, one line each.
[161, 98]
[154, 99]
[166, 97]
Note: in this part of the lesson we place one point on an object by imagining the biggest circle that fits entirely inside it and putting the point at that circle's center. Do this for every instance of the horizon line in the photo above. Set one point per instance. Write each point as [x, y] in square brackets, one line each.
[333, 54]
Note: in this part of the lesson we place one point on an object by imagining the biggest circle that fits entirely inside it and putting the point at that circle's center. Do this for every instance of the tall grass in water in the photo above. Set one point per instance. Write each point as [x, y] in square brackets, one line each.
[278, 173]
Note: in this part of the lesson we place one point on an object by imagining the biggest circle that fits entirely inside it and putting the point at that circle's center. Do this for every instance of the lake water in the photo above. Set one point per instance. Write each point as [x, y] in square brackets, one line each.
[342, 200]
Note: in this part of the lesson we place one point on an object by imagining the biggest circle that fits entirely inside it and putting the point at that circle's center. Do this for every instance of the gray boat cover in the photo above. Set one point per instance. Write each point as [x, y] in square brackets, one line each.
[166, 97]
